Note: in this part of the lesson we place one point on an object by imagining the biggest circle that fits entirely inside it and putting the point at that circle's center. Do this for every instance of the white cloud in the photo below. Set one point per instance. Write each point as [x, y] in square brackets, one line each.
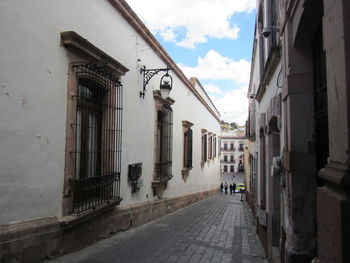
[168, 35]
[213, 89]
[200, 18]
[233, 106]
[215, 67]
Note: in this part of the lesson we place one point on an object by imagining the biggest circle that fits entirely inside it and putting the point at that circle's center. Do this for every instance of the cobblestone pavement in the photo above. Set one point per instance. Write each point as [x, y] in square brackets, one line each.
[218, 230]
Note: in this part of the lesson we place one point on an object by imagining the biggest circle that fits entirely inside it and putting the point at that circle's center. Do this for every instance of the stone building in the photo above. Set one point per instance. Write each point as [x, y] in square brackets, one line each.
[89, 145]
[232, 143]
[299, 141]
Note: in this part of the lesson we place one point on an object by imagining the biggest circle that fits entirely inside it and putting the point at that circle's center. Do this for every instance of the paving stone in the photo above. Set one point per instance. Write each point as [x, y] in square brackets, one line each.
[218, 229]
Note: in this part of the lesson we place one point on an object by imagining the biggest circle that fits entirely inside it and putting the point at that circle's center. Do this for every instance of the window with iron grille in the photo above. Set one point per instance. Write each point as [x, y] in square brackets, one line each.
[98, 136]
[215, 145]
[210, 147]
[204, 146]
[187, 147]
[164, 133]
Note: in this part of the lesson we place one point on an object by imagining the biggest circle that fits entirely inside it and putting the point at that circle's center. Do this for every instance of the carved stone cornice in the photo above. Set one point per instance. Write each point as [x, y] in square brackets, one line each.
[77, 44]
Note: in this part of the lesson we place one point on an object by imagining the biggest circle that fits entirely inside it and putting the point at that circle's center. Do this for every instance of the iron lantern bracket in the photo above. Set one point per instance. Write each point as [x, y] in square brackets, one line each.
[148, 75]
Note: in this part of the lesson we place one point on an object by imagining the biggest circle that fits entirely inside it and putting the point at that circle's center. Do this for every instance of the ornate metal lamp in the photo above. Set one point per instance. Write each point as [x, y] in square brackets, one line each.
[165, 84]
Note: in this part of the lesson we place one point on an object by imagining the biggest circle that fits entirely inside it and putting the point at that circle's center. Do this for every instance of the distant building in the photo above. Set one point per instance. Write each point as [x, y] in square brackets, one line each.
[232, 143]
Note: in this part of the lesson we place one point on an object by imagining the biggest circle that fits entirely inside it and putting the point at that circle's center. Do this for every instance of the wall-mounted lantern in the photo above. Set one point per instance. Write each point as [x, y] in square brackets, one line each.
[166, 82]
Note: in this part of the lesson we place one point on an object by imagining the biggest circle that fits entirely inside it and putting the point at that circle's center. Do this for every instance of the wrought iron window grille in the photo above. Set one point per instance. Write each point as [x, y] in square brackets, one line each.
[164, 138]
[98, 138]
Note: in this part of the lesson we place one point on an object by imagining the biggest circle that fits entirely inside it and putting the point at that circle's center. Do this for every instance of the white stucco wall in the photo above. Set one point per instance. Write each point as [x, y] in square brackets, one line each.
[33, 103]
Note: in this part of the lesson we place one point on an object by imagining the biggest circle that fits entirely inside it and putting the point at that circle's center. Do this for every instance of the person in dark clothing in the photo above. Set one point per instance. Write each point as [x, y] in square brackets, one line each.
[234, 188]
[231, 189]
[222, 188]
[225, 186]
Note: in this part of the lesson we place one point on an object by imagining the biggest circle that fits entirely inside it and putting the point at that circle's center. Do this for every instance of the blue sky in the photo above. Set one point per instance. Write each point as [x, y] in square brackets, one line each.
[208, 39]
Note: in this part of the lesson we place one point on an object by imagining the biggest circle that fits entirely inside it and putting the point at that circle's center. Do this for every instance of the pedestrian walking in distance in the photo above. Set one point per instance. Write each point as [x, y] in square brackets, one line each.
[231, 188]
[234, 186]
[225, 186]
[222, 188]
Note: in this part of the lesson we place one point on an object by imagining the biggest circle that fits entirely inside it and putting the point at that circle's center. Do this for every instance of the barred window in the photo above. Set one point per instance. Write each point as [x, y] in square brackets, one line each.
[187, 145]
[215, 145]
[164, 142]
[210, 146]
[204, 146]
[97, 135]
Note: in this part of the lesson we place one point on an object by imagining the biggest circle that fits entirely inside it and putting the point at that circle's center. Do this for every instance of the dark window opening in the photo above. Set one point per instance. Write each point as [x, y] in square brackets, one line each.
[188, 134]
[204, 147]
[210, 146]
[215, 145]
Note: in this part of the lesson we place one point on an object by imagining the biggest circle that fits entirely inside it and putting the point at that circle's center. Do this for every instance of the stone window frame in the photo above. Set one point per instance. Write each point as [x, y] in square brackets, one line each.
[81, 51]
[160, 185]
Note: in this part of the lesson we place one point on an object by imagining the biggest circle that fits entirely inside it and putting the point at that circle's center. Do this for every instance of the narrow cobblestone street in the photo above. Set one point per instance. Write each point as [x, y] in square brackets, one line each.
[218, 229]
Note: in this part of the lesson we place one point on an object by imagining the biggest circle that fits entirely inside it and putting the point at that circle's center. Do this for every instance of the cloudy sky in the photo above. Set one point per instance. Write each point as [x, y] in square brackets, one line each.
[210, 40]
